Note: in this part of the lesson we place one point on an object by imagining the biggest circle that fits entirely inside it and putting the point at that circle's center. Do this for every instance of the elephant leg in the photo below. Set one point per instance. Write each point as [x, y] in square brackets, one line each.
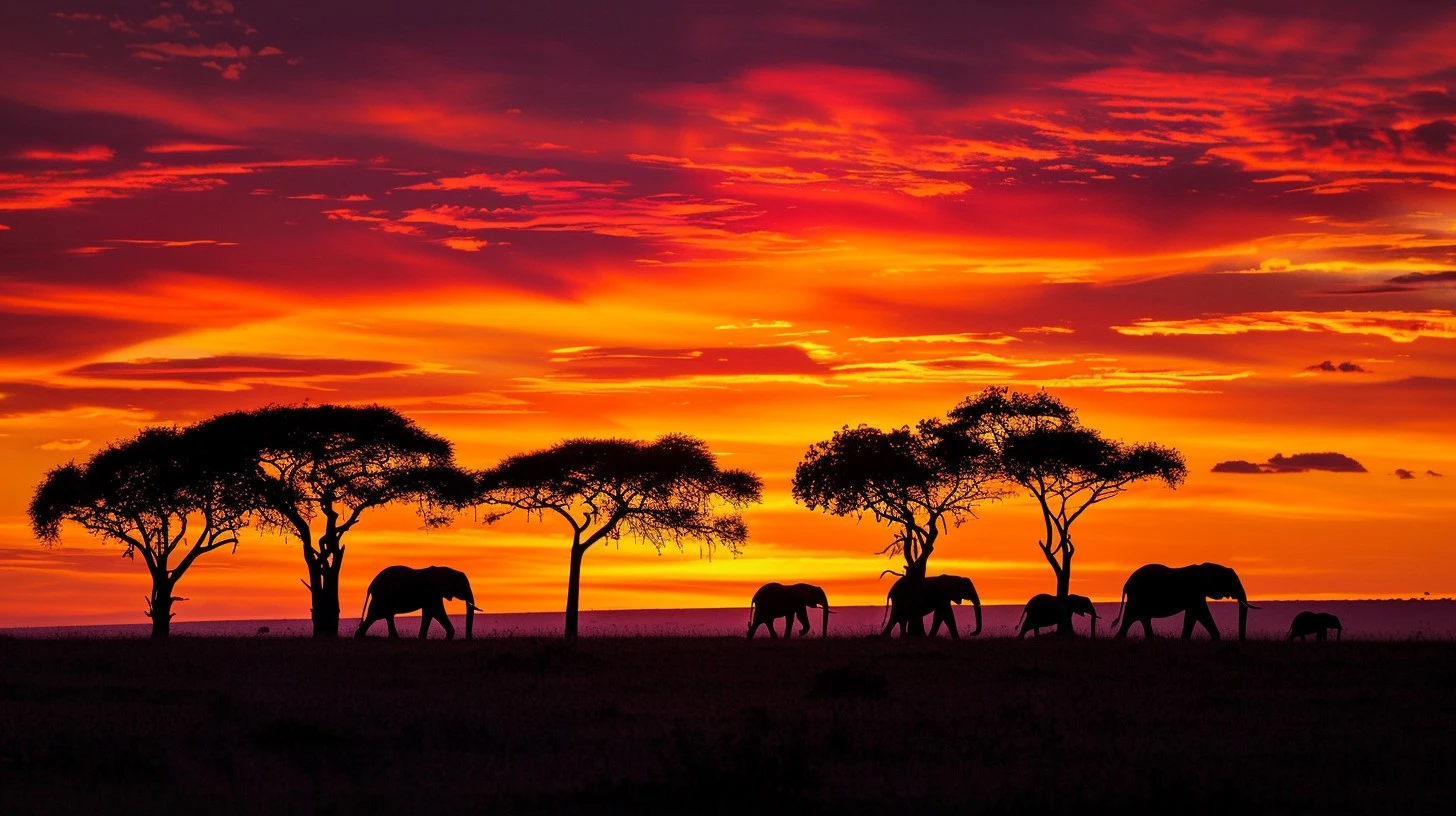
[950, 622]
[1320, 636]
[769, 624]
[803, 621]
[445, 623]
[1205, 617]
[1188, 620]
[364, 627]
[435, 611]
[393, 633]
[1148, 628]
[788, 626]
[889, 627]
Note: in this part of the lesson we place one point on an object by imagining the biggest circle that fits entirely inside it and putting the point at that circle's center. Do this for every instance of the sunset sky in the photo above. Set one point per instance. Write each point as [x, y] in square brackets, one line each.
[1225, 227]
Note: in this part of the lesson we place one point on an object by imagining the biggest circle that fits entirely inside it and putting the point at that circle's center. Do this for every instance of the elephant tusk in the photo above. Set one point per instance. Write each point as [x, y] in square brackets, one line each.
[1248, 605]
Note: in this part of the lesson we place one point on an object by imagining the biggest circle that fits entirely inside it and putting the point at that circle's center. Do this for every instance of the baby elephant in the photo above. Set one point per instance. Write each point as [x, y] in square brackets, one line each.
[1041, 611]
[1314, 623]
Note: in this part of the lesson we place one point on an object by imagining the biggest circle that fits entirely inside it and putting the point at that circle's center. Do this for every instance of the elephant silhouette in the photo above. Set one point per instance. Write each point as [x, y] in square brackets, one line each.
[1158, 591]
[400, 589]
[1041, 611]
[1314, 623]
[912, 598]
[789, 601]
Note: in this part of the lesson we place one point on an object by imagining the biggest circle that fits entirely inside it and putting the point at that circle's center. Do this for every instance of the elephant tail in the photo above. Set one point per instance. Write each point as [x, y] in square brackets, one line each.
[1120, 606]
[369, 593]
[887, 595]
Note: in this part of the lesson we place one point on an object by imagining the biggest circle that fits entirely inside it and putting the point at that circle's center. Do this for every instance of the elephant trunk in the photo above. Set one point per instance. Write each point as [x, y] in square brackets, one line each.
[1094, 624]
[976, 604]
[469, 616]
[824, 628]
[1243, 612]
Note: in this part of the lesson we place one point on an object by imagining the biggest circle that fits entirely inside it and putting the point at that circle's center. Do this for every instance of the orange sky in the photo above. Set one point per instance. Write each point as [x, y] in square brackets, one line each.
[755, 225]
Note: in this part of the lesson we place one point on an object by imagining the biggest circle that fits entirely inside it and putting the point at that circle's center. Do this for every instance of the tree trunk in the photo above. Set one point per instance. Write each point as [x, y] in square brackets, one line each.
[1064, 587]
[324, 593]
[573, 591]
[323, 568]
[915, 584]
[161, 607]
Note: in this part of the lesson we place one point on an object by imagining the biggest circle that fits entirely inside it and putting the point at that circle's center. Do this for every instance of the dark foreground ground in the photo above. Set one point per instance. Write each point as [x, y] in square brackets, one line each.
[724, 726]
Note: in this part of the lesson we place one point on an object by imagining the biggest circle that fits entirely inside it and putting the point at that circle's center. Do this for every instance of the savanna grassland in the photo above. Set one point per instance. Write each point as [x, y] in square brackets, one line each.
[723, 726]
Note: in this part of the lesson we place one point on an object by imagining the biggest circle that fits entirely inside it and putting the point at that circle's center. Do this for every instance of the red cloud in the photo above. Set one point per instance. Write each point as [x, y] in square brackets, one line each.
[168, 49]
[648, 363]
[53, 189]
[191, 147]
[538, 185]
[83, 154]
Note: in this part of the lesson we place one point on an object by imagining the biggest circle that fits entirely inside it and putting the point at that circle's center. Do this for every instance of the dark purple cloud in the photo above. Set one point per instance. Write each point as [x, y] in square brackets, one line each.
[1435, 137]
[1426, 278]
[1238, 466]
[1346, 367]
[234, 368]
[1298, 463]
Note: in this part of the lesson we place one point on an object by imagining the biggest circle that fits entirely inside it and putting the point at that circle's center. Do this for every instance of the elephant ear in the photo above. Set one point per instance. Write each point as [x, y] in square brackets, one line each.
[446, 581]
[1216, 580]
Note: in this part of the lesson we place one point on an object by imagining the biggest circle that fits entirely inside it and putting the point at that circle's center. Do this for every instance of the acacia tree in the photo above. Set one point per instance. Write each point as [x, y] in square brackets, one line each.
[311, 472]
[1042, 447]
[663, 492]
[157, 494]
[918, 481]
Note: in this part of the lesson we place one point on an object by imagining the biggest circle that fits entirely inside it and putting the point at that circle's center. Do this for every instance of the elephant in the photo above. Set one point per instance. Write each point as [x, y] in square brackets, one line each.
[1314, 623]
[1041, 611]
[404, 589]
[1158, 591]
[911, 599]
[788, 602]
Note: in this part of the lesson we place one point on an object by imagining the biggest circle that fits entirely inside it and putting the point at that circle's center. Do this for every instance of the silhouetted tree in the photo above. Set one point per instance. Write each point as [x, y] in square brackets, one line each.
[1041, 446]
[666, 491]
[312, 472]
[917, 481]
[157, 494]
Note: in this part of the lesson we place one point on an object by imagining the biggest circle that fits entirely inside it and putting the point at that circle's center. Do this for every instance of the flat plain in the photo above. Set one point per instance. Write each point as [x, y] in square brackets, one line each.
[724, 725]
